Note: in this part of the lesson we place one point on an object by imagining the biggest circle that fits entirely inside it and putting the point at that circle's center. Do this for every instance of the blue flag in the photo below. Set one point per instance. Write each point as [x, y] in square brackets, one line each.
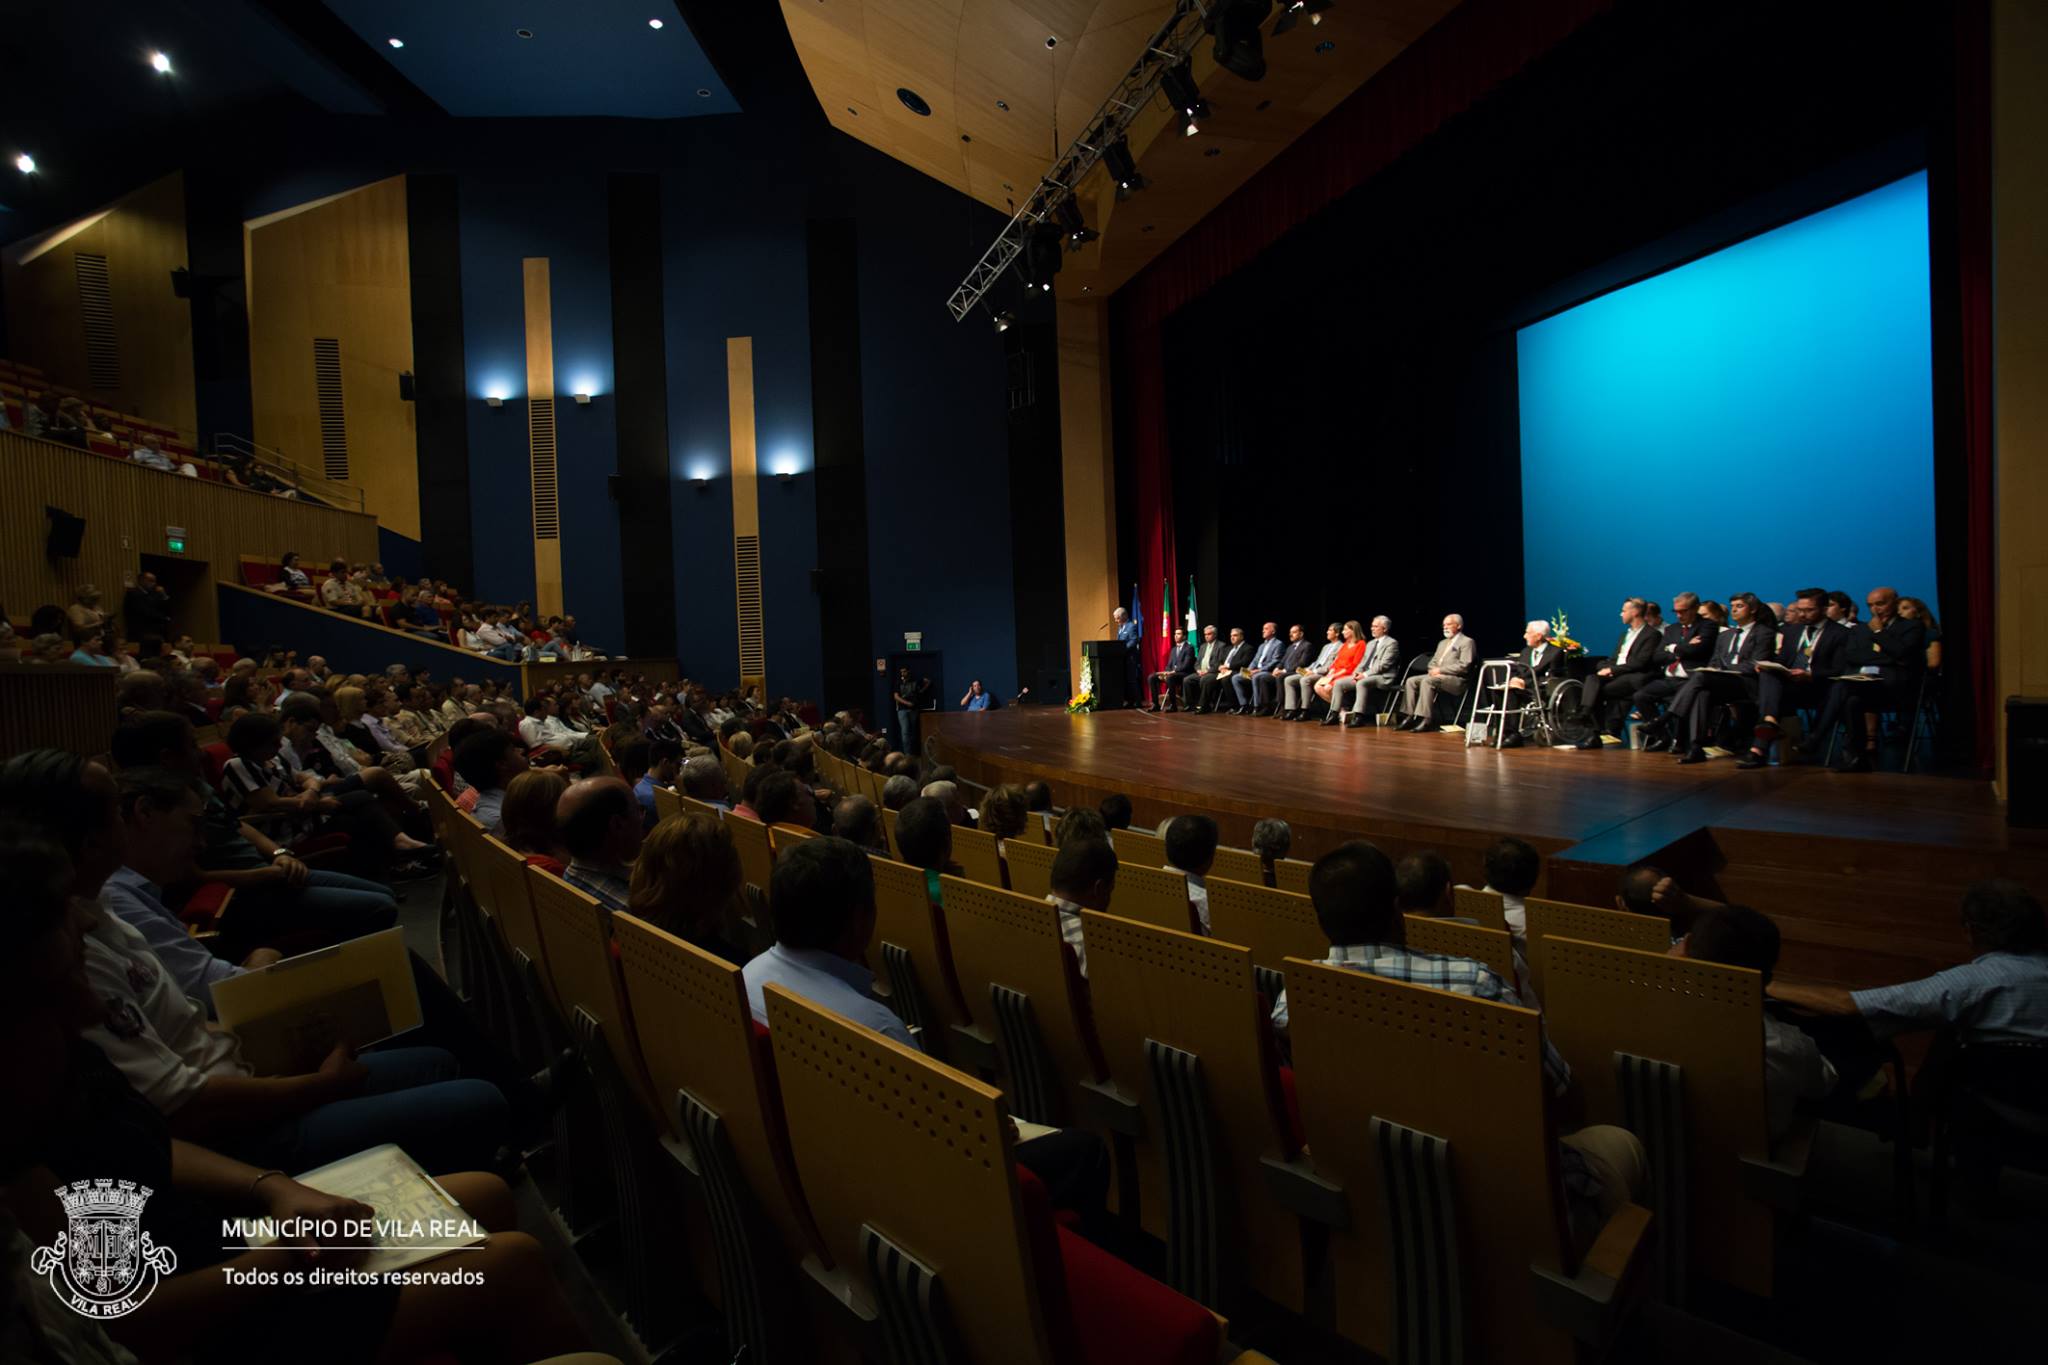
[1137, 613]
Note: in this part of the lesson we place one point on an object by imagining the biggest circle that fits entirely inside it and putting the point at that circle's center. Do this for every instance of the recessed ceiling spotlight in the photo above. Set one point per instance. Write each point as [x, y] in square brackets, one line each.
[161, 61]
[914, 102]
[853, 111]
[702, 93]
[395, 42]
[1325, 46]
[965, 138]
[654, 23]
[1052, 40]
[1213, 151]
[522, 32]
[25, 163]
[1003, 105]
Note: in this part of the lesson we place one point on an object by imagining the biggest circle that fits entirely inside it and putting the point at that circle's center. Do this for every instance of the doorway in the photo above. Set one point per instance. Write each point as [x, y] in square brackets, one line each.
[189, 582]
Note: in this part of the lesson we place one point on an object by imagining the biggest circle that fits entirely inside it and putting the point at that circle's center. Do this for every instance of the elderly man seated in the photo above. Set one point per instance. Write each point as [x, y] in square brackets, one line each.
[1534, 671]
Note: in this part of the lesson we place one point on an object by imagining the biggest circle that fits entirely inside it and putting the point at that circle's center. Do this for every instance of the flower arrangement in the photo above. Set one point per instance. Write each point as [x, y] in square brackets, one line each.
[1083, 700]
[1561, 634]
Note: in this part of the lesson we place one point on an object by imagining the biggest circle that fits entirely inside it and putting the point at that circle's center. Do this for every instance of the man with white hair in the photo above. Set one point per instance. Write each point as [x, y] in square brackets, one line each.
[948, 794]
[1532, 673]
[1449, 670]
[1357, 698]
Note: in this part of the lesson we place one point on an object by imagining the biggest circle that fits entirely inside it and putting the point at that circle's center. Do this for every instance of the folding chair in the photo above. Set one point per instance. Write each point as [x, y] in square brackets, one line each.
[1477, 903]
[1291, 874]
[667, 804]
[1239, 865]
[757, 855]
[704, 808]
[889, 829]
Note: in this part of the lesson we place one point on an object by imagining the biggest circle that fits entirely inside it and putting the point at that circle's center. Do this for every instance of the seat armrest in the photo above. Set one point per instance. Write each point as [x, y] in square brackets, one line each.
[1105, 1105]
[1302, 1190]
[844, 1307]
[973, 1049]
[1779, 1180]
[1590, 1304]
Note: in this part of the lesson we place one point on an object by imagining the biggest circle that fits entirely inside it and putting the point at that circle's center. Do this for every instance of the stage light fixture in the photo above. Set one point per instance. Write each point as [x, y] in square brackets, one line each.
[1317, 9]
[395, 43]
[1039, 261]
[1123, 169]
[1240, 47]
[1004, 319]
[25, 163]
[1180, 88]
[1075, 228]
[160, 62]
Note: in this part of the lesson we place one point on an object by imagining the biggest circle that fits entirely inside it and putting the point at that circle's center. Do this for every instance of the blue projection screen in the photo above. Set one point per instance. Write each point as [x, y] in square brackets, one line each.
[1758, 420]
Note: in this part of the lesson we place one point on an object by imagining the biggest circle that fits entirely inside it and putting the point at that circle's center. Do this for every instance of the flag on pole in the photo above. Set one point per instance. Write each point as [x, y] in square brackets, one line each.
[1137, 613]
[1194, 621]
[1165, 608]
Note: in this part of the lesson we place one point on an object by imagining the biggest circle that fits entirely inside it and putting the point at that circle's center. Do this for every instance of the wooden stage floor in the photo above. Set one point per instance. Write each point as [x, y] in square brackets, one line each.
[1862, 871]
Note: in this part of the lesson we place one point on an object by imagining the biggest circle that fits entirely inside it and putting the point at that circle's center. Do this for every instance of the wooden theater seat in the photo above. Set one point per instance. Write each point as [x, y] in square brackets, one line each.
[1452, 1115]
[1239, 865]
[1691, 1087]
[889, 830]
[1138, 848]
[1021, 985]
[1455, 938]
[704, 808]
[1183, 1029]
[757, 855]
[782, 836]
[1155, 895]
[1274, 924]
[500, 880]
[910, 943]
[976, 853]
[1028, 867]
[1561, 919]
[735, 770]
[667, 803]
[908, 1168]
[1476, 903]
[1291, 874]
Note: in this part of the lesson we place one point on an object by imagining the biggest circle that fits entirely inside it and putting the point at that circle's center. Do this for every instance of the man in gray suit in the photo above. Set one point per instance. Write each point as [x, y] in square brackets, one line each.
[1449, 669]
[1297, 690]
[1357, 697]
[1206, 663]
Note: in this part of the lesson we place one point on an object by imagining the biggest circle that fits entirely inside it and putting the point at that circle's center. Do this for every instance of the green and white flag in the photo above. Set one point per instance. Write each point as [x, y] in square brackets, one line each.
[1194, 621]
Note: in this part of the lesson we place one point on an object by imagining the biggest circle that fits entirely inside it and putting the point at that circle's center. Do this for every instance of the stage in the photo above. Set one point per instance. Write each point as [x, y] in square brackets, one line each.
[1863, 872]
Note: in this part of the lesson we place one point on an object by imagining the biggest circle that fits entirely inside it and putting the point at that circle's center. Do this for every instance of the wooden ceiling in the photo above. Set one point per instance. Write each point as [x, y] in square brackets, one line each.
[1003, 104]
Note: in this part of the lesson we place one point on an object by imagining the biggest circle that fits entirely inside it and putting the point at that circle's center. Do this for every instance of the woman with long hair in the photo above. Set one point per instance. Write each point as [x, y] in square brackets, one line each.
[685, 879]
[528, 818]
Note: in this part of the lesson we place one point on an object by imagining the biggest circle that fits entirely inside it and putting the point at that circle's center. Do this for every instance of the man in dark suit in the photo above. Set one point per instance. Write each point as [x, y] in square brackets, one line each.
[1633, 663]
[1235, 661]
[1180, 661]
[1729, 677]
[1533, 671]
[1266, 683]
[1811, 648]
[1207, 661]
[1885, 662]
[1688, 643]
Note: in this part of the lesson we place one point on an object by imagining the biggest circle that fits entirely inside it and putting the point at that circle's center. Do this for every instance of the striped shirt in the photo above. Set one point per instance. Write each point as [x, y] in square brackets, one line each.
[1070, 930]
[1996, 998]
[241, 780]
[1459, 975]
[609, 885]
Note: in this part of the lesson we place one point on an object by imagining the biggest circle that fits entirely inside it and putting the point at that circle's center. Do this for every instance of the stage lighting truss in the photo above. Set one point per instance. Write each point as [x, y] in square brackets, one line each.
[1167, 51]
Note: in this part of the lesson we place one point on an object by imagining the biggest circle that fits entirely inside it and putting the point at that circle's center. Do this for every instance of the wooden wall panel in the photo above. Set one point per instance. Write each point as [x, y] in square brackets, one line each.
[746, 513]
[143, 238]
[1088, 474]
[541, 441]
[126, 509]
[55, 706]
[339, 267]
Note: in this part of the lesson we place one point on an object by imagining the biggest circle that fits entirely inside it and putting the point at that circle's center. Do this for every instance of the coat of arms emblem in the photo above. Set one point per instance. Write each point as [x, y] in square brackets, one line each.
[104, 1265]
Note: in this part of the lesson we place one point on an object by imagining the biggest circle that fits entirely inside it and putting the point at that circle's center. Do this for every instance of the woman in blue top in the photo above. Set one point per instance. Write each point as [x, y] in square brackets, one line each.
[89, 644]
[976, 699]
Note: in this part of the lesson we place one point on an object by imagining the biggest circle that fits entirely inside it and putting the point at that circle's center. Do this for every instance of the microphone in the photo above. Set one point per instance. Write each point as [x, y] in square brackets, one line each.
[1103, 626]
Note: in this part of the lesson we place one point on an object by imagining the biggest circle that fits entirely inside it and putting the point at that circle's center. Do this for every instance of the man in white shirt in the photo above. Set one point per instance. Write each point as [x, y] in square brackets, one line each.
[1083, 876]
[543, 729]
[1191, 849]
[1794, 1068]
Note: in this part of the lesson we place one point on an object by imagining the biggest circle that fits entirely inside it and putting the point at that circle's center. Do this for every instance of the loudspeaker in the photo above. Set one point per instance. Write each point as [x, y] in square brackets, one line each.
[405, 386]
[2026, 762]
[67, 533]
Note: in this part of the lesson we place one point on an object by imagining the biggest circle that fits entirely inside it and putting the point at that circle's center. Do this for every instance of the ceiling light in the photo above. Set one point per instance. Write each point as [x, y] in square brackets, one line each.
[1122, 169]
[702, 93]
[1180, 88]
[522, 33]
[395, 42]
[1004, 319]
[654, 23]
[161, 62]
[914, 102]
[1316, 10]
[25, 163]
[1240, 48]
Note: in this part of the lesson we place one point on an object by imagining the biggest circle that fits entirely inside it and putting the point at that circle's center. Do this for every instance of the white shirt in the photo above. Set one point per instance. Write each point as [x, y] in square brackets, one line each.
[153, 1032]
[1628, 642]
[1794, 1070]
[537, 732]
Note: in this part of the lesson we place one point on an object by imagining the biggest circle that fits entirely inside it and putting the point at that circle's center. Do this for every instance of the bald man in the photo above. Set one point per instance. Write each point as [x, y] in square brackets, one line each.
[600, 824]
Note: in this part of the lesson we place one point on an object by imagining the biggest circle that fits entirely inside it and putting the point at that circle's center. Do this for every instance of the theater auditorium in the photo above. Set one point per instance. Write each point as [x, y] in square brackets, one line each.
[909, 682]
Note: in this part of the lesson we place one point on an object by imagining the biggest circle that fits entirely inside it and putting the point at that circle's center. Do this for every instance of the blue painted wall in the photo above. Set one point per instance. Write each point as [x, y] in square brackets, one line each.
[1758, 420]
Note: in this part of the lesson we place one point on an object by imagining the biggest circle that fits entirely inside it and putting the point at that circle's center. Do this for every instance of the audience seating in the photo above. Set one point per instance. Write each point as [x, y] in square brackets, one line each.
[910, 937]
[1274, 924]
[1184, 1031]
[1155, 895]
[667, 803]
[976, 853]
[1438, 1167]
[1240, 865]
[1291, 874]
[1454, 938]
[1479, 905]
[1560, 919]
[889, 829]
[757, 855]
[932, 1230]
[693, 805]
[1672, 1049]
[782, 836]
[1021, 986]
[1138, 848]
[735, 770]
[1028, 867]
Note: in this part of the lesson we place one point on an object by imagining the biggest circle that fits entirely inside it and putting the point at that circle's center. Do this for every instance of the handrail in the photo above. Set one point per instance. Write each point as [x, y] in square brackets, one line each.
[298, 476]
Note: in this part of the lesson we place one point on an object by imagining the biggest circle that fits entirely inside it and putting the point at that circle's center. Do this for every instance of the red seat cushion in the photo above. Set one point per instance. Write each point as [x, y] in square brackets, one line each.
[1102, 1311]
[204, 905]
[213, 705]
[216, 755]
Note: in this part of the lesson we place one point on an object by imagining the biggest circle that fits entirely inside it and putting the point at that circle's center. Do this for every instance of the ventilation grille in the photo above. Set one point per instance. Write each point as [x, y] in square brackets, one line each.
[746, 577]
[333, 426]
[540, 432]
[96, 310]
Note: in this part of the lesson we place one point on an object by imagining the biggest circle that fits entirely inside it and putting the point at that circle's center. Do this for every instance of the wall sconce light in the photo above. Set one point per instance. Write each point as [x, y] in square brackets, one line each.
[493, 401]
[582, 400]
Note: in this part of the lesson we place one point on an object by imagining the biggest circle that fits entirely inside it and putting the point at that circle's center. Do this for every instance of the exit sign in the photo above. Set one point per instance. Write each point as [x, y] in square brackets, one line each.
[174, 539]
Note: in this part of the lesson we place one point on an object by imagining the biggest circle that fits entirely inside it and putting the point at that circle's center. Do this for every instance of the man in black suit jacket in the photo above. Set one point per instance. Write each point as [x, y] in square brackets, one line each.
[1688, 643]
[1234, 662]
[1884, 664]
[1207, 660]
[1731, 676]
[1633, 663]
[1538, 664]
[1180, 661]
[1811, 649]
[1266, 684]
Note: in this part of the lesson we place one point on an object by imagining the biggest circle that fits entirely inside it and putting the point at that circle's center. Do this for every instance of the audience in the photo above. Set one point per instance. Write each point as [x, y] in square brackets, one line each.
[1794, 1069]
[1116, 811]
[526, 818]
[1422, 884]
[1272, 840]
[487, 760]
[1083, 876]
[856, 820]
[1512, 869]
[685, 881]
[600, 824]
[1191, 848]
[899, 791]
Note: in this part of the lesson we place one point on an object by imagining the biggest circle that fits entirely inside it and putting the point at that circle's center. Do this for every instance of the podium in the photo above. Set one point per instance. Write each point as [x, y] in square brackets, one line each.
[1109, 666]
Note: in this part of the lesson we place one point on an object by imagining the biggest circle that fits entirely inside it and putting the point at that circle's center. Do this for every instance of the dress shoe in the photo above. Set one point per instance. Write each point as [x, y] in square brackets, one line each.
[1695, 754]
[1154, 706]
[1591, 741]
[1752, 759]
[1513, 742]
[1656, 744]
[1428, 727]
[1352, 722]
[1330, 719]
